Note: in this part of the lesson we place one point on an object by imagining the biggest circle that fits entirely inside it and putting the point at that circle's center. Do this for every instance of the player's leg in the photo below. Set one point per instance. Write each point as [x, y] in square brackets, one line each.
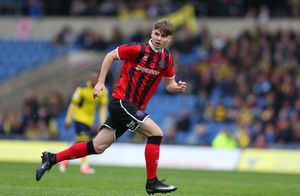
[63, 166]
[80, 136]
[82, 132]
[103, 140]
[83, 135]
[154, 136]
[128, 115]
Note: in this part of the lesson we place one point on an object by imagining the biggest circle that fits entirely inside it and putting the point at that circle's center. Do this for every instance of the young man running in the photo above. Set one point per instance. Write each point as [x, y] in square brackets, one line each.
[144, 67]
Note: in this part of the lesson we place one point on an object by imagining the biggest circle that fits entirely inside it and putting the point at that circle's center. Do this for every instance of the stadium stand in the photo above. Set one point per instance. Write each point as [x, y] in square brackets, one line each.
[18, 56]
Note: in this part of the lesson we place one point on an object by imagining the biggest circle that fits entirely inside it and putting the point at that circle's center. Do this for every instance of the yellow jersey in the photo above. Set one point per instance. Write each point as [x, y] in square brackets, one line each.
[83, 105]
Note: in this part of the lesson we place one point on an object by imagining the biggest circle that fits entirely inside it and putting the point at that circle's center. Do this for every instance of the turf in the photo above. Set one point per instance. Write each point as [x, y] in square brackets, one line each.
[19, 179]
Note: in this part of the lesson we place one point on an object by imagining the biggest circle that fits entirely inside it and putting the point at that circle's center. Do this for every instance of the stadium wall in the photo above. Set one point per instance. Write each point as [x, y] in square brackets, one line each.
[279, 161]
[187, 157]
[48, 27]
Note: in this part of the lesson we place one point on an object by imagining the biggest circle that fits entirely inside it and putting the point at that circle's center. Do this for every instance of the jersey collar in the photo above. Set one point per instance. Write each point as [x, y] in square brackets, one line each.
[152, 47]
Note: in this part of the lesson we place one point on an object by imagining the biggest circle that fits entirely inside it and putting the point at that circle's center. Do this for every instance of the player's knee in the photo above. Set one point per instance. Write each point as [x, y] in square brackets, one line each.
[161, 133]
[157, 132]
[99, 149]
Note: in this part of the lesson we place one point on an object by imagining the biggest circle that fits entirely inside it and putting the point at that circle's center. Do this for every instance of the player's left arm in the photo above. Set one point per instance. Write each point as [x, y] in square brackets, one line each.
[169, 79]
[174, 87]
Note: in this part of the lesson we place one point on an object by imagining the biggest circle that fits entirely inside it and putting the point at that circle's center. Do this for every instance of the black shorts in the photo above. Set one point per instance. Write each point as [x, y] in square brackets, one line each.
[123, 115]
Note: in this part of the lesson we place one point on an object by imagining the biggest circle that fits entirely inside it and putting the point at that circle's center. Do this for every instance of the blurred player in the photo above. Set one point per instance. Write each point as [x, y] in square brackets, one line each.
[82, 110]
[145, 65]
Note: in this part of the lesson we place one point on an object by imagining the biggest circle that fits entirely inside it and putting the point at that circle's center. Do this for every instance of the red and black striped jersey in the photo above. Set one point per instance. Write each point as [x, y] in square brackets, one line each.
[143, 69]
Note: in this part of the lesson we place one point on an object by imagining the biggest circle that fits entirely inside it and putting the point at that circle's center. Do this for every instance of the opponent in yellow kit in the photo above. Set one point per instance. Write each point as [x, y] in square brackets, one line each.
[82, 110]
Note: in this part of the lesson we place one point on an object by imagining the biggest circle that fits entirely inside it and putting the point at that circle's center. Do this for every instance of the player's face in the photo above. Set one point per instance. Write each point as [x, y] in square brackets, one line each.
[159, 40]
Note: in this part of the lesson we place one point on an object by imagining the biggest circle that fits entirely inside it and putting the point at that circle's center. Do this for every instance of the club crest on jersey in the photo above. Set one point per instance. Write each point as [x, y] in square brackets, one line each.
[161, 63]
[140, 113]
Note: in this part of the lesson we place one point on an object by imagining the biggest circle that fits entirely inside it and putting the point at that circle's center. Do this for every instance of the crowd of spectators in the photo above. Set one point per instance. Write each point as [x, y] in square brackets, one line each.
[37, 119]
[150, 8]
[88, 39]
[252, 81]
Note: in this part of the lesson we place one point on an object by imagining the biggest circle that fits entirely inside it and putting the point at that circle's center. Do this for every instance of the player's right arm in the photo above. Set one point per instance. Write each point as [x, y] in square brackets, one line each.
[108, 60]
[75, 99]
[69, 116]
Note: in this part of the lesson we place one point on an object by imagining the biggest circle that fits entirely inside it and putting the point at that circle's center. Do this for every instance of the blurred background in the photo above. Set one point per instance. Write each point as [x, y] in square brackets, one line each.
[241, 60]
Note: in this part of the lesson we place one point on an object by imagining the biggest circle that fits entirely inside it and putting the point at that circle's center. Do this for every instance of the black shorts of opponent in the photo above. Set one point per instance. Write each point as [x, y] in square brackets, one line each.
[123, 115]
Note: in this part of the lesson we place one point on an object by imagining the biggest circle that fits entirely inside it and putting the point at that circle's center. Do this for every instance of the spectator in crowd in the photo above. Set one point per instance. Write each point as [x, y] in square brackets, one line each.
[37, 131]
[138, 36]
[26, 118]
[65, 37]
[184, 120]
[53, 103]
[85, 39]
[260, 142]
[224, 140]
[51, 107]
[199, 136]
[283, 127]
[33, 7]
[242, 135]
[264, 14]
[78, 7]
[2, 131]
[270, 134]
[1, 124]
[117, 36]
[109, 7]
[152, 9]
[12, 126]
[99, 42]
[169, 127]
[32, 105]
[202, 98]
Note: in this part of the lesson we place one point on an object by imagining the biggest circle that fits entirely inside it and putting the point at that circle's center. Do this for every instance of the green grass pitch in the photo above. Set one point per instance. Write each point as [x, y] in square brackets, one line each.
[19, 179]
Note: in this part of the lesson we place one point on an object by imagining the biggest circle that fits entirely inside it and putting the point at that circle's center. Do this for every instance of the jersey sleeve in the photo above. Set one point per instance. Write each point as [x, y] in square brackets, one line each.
[76, 96]
[169, 73]
[128, 52]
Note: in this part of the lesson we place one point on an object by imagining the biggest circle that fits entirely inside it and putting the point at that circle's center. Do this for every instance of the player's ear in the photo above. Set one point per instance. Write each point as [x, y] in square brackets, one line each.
[169, 38]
